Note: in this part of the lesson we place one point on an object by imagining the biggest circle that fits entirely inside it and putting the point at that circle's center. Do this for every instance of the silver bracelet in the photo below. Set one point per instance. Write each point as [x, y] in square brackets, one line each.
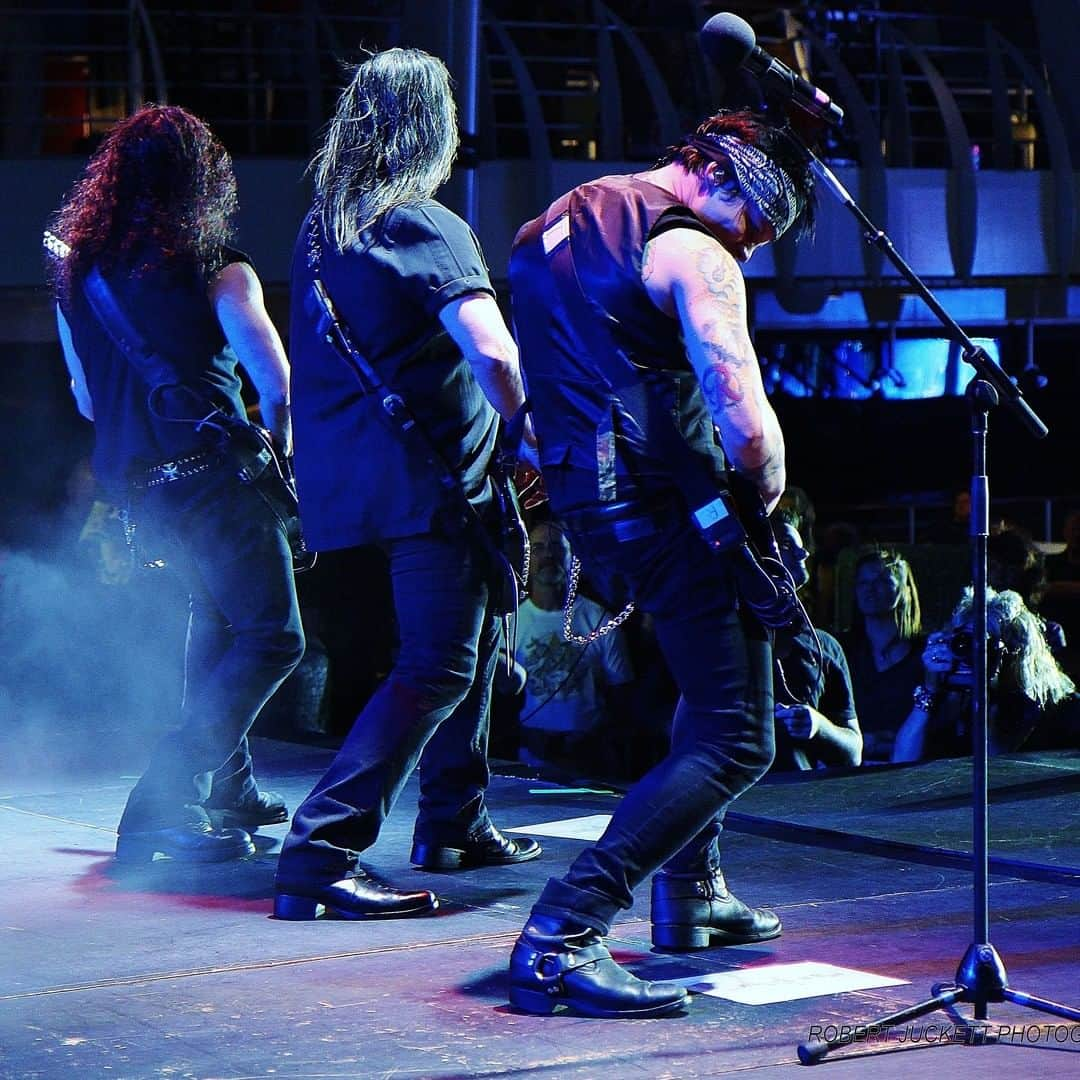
[924, 699]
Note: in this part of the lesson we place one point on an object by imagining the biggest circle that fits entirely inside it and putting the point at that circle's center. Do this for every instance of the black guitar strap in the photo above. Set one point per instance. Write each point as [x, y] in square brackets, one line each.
[512, 566]
[332, 328]
[251, 451]
[158, 372]
[768, 591]
[150, 364]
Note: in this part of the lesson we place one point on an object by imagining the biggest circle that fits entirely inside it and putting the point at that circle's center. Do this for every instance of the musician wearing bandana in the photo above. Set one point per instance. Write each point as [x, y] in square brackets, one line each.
[631, 314]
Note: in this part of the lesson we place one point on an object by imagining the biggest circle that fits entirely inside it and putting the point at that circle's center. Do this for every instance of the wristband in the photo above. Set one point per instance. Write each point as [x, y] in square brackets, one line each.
[923, 699]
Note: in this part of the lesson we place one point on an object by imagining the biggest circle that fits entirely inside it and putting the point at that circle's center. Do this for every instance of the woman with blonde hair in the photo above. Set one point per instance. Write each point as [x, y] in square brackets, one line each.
[1024, 679]
[884, 647]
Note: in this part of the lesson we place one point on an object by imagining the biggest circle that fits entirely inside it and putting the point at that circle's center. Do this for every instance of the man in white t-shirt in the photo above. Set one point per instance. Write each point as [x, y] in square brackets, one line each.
[570, 716]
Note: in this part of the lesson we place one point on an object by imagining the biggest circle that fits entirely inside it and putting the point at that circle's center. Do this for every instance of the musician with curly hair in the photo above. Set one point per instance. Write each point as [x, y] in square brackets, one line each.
[150, 221]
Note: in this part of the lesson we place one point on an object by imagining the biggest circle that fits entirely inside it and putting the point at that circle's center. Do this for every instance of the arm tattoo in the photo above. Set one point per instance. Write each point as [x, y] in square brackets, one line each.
[650, 259]
[721, 278]
[720, 383]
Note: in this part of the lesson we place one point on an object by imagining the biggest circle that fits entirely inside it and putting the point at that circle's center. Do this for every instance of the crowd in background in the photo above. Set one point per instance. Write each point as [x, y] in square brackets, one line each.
[892, 623]
[885, 680]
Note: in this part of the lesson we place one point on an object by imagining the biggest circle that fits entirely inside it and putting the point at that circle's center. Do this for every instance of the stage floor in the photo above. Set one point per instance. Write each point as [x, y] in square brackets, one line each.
[173, 971]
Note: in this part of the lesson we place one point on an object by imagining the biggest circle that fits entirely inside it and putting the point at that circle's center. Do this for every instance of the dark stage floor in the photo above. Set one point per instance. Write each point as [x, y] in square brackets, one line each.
[174, 972]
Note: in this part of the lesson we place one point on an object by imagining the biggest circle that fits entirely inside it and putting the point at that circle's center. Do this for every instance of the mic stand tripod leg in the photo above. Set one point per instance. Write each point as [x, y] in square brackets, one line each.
[980, 979]
[814, 1050]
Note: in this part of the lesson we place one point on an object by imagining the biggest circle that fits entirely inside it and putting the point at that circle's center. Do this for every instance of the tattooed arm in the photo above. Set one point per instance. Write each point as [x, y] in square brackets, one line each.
[689, 276]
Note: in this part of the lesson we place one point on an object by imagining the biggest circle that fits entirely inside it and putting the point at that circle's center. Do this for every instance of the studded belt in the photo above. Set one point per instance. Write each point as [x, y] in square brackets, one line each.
[177, 469]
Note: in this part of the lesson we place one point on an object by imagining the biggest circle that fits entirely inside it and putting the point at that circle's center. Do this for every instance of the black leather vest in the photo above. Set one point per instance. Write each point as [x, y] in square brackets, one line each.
[580, 421]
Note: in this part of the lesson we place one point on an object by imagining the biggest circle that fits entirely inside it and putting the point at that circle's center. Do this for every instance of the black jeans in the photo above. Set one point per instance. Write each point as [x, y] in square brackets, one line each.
[722, 734]
[434, 708]
[244, 637]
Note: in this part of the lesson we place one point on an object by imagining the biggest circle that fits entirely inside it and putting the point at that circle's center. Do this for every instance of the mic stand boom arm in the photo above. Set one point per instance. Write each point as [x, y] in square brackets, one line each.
[980, 977]
[1007, 391]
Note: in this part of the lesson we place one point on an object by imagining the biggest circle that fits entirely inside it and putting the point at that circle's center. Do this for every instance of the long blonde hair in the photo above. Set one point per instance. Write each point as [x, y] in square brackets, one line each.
[1027, 653]
[908, 612]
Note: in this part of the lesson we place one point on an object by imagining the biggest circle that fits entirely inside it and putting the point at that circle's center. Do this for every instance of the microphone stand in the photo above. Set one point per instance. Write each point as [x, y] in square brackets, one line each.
[980, 978]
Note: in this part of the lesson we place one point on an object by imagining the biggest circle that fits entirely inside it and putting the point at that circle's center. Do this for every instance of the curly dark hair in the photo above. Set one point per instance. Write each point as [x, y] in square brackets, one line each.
[774, 141]
[159, 188]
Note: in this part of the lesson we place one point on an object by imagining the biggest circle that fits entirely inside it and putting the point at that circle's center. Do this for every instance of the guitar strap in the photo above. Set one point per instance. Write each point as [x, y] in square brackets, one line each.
[251, 451]
[768, 589]
[151, 365]
[395, 412]
[158, 372]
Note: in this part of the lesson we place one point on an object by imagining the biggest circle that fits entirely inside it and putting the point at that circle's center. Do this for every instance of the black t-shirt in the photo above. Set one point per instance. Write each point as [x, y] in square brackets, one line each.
[170, 308]
[883, 698]
[831, 693]
[358, 481]
[1011, 718]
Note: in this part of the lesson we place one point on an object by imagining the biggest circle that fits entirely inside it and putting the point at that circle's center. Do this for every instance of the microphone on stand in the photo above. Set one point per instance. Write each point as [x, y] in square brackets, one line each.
[730, 42]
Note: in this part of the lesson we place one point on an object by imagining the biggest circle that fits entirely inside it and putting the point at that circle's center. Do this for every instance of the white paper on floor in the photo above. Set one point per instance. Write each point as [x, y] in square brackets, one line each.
[784, 982]
[575, 828]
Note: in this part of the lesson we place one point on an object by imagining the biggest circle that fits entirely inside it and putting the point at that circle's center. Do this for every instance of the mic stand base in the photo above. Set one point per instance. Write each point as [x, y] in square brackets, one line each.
[980, 979]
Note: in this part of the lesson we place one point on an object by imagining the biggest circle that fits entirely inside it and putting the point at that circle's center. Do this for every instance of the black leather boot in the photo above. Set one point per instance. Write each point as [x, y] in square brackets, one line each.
[689, 912]
[555, 963]
[194, 842]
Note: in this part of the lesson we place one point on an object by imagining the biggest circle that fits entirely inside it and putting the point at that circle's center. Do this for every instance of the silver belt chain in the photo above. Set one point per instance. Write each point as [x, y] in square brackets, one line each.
[568, 612]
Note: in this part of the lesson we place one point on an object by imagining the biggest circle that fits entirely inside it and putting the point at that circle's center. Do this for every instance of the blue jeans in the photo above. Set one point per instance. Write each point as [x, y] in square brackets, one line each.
[722, 733]
[433, 709]
[244, 637]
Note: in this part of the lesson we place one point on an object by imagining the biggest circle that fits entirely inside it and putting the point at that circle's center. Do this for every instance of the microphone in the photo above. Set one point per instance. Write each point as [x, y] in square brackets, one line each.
[730, 42]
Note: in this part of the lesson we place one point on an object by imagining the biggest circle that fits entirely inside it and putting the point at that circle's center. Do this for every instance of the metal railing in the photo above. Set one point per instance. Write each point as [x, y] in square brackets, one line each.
[262, 74]
[616, 82]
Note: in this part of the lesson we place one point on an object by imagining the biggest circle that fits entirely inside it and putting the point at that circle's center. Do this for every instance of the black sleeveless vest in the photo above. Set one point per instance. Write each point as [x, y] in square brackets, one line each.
[170, 308]
[580, 421]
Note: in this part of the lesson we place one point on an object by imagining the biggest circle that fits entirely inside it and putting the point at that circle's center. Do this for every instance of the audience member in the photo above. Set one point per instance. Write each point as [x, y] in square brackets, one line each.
[884, 647]
[1024, 679]
[1061, 597]
[799, 511]
[1014, 563]
[576, 713]
[816, 722]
